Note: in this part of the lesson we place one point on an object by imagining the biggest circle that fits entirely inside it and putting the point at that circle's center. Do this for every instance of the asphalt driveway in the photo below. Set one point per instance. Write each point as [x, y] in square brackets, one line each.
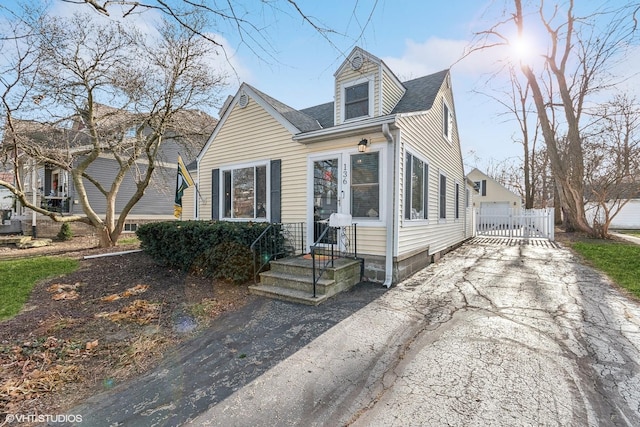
[495, 334]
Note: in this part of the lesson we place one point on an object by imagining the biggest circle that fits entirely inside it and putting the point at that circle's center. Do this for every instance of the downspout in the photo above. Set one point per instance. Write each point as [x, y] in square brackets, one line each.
[391, 218]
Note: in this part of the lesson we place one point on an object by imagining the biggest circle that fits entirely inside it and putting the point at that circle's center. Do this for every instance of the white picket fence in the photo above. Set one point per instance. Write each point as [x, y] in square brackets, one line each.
[515, 223]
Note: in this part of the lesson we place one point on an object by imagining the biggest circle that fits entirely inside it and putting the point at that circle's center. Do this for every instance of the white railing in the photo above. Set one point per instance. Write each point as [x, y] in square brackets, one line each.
[515, 223]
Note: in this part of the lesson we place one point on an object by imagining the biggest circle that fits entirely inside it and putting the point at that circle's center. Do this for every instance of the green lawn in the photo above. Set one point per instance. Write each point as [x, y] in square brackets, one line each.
[17, 279]
[620, 261]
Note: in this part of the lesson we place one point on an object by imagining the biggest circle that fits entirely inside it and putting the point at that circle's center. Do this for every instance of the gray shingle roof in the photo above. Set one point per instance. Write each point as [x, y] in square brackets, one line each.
[419, 96]
[300, 120]
[323, 113]
[421, 93]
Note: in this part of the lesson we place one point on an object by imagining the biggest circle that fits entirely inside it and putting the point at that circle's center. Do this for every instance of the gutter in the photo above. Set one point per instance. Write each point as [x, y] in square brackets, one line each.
[391, 219]
[348, 129]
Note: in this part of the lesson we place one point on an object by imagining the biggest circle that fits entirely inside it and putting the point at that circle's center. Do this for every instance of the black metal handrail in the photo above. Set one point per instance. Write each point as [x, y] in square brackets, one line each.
[346, 240]
[278, 240]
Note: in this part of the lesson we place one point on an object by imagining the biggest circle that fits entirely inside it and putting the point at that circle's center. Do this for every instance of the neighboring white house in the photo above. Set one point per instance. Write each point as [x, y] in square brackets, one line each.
[627, 218]
[385, 152]
[6, 196]
[490, 194]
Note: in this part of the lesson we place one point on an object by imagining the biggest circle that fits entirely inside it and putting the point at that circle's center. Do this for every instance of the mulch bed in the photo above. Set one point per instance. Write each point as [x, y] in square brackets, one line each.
[107, 322]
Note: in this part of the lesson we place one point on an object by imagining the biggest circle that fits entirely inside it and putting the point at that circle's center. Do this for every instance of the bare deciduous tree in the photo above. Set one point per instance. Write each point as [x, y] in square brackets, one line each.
[102, 90]
[580, 52]
[248, 22]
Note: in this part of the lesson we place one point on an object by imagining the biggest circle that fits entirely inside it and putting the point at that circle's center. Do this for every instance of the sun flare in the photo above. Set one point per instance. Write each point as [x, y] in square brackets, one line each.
[522, 49]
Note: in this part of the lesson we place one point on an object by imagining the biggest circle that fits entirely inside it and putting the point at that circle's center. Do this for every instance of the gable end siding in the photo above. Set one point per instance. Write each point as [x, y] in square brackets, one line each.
[251, 134]
[423, 133]
[391, 93]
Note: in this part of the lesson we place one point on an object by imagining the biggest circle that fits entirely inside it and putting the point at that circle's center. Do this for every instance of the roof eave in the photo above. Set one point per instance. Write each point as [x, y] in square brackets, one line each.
[348, 129]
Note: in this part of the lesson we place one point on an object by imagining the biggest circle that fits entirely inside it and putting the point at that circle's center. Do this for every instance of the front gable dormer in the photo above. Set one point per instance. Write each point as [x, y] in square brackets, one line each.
[364, 87]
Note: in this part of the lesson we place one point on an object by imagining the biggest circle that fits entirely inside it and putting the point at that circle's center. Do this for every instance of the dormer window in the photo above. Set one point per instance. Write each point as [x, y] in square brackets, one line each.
[356, 101]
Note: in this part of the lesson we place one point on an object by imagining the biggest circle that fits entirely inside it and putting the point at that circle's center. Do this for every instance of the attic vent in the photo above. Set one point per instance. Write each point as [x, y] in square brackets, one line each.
[356, 62]
[243, 100]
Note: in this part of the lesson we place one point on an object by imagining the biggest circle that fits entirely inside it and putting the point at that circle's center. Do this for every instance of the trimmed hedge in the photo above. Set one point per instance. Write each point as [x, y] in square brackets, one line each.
[214, 249]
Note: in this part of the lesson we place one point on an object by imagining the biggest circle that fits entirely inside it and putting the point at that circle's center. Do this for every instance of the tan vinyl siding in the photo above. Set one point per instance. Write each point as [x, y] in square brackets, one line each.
[250, 135]
[371, 239]
[391, 93]
[188, 205]
[368, 70]
[423, 134]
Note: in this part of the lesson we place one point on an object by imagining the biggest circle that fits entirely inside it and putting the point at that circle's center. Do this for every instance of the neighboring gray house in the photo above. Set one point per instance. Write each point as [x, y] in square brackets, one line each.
[55, 189]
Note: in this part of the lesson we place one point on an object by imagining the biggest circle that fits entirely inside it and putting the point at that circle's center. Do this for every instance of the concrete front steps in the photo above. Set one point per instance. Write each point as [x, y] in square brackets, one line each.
[291, 279]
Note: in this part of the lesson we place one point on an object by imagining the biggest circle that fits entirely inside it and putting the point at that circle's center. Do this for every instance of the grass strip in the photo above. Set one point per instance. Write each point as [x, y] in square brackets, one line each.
[18, 277]
[620, 261]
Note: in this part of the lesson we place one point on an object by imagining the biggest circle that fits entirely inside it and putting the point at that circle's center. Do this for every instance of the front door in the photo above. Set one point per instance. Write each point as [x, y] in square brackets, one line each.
[327, 192]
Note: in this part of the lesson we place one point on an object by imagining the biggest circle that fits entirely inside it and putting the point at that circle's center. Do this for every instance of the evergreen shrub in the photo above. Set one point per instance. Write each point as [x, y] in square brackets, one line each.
[215, 249]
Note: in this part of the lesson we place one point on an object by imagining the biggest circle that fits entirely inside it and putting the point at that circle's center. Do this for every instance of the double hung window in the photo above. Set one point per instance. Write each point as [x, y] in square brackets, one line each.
[356, 101]
[447, 121]
[365, 185]
[443, 196]
[416, 188]
[245, 192]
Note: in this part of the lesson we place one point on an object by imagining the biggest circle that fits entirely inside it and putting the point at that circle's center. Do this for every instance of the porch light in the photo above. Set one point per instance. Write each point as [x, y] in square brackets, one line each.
[362, 145]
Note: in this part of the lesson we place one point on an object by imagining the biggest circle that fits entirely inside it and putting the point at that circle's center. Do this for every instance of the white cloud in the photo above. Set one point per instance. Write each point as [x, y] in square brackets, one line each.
[229, 63]
[435, 54]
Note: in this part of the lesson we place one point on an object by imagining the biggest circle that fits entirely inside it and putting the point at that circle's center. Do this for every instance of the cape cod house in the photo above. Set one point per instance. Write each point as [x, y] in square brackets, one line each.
[385, 154]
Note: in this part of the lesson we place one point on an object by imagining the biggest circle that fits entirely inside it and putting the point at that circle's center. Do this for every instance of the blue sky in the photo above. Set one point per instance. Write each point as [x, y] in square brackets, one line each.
[413, 37]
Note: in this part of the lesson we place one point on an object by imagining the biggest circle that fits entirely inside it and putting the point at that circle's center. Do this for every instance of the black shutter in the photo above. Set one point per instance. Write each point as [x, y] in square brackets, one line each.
[215, 194]
[407, 188]
[276, 196]
[425, 197]
[484, 187]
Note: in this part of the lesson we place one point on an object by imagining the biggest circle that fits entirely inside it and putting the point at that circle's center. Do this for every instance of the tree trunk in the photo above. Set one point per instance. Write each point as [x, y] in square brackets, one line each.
[106, 240]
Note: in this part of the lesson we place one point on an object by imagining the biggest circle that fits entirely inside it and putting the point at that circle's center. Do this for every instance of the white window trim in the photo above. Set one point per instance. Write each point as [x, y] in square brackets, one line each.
[449, 119]
[419, 221]
[482, 186]
[343, 97]
[381, 220]
[224, 169]
[441, 174]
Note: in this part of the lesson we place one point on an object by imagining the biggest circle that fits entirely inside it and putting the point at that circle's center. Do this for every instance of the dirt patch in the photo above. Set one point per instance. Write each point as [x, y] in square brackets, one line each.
[109, 321]
[569, 238]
